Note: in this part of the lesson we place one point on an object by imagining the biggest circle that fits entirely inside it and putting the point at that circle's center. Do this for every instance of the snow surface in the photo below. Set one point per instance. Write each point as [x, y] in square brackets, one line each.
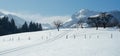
[66, 42]
[18, 20]
[82, 14]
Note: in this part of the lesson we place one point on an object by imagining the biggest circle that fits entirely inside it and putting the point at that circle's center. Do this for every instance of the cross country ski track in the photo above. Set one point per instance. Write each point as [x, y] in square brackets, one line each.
[36, 44]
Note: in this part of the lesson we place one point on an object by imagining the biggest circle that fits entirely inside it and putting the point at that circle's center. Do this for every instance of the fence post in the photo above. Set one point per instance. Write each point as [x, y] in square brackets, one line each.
[42, 38]
[29, 38]
[111, 35]
[85, 36]
[10, 39]
[18, 38]
[66, 36]
[74, 36]
[97, 36]
[46, 37]
[90, 37]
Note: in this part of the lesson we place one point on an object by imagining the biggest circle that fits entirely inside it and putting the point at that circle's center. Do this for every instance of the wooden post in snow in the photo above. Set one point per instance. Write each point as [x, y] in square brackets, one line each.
[66, 36]
[85, 36]
[111, 35]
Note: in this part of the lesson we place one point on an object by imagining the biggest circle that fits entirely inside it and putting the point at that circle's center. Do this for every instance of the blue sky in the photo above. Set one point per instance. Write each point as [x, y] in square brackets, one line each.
[58, 7]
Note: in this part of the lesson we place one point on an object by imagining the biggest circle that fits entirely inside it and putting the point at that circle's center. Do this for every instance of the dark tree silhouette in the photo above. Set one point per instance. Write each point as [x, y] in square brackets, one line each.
[24, 27]
[35, 26]
[9, 27]
[13, 26]
[39, 27]
[105, 17]
[103, 20]
[57, 24]
[95, 21]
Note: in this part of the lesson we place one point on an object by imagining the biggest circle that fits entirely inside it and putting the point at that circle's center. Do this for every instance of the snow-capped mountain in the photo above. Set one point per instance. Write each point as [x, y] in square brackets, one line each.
[18, 20]
[116, 14]
[1, 14]
[47, 22]
[82, 14]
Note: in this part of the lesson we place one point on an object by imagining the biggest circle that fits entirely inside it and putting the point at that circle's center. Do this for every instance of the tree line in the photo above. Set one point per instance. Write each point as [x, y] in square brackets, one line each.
[9, 26]
[103, 19]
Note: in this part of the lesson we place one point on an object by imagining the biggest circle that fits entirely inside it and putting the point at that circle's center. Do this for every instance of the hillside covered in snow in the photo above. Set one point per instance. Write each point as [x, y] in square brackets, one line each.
[68, 21]
[18, 20]
[66, 42]
[46, 21]
[83, 15]
[10, 24]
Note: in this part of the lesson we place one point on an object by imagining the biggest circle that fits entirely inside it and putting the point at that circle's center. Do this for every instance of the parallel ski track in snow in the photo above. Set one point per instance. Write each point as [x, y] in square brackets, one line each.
[36, 44]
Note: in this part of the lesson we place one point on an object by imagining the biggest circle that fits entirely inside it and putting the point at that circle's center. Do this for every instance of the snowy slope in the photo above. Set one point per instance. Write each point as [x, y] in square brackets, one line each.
[19, 21]
[116, 14]
[67, 42]
[82, 14]
[1, 14]
[46, 21]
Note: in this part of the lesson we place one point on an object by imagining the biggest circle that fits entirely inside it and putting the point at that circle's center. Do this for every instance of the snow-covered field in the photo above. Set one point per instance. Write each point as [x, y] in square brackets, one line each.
[66, 42]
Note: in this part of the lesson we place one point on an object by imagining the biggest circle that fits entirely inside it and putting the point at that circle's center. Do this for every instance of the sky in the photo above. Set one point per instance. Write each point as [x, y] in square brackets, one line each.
[58, 7]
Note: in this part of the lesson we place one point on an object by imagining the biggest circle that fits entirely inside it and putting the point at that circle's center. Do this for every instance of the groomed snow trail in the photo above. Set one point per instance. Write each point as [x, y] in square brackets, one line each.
[35, 44]
[73, 42]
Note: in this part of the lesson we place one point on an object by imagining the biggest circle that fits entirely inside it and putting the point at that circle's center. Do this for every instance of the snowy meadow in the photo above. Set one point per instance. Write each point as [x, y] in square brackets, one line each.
[66, 42]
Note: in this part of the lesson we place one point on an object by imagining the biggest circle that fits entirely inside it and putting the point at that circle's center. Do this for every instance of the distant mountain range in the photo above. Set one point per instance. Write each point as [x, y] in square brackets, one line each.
[82, 14]
[18, 20]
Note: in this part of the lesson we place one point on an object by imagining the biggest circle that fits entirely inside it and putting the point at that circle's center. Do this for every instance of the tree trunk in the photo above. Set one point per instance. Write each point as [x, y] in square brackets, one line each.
[96, 26]
[58, 28]
[104, 25]
[81, 26]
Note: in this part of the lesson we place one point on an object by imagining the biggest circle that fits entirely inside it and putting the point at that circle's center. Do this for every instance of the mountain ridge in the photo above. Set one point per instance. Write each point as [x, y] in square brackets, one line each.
[82, 14]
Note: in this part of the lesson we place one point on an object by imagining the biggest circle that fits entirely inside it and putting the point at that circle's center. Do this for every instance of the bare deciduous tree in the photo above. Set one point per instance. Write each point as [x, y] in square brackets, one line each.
[57, 24]
[105, 17]
[119, 26]
[103, 20]
[95, 21]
